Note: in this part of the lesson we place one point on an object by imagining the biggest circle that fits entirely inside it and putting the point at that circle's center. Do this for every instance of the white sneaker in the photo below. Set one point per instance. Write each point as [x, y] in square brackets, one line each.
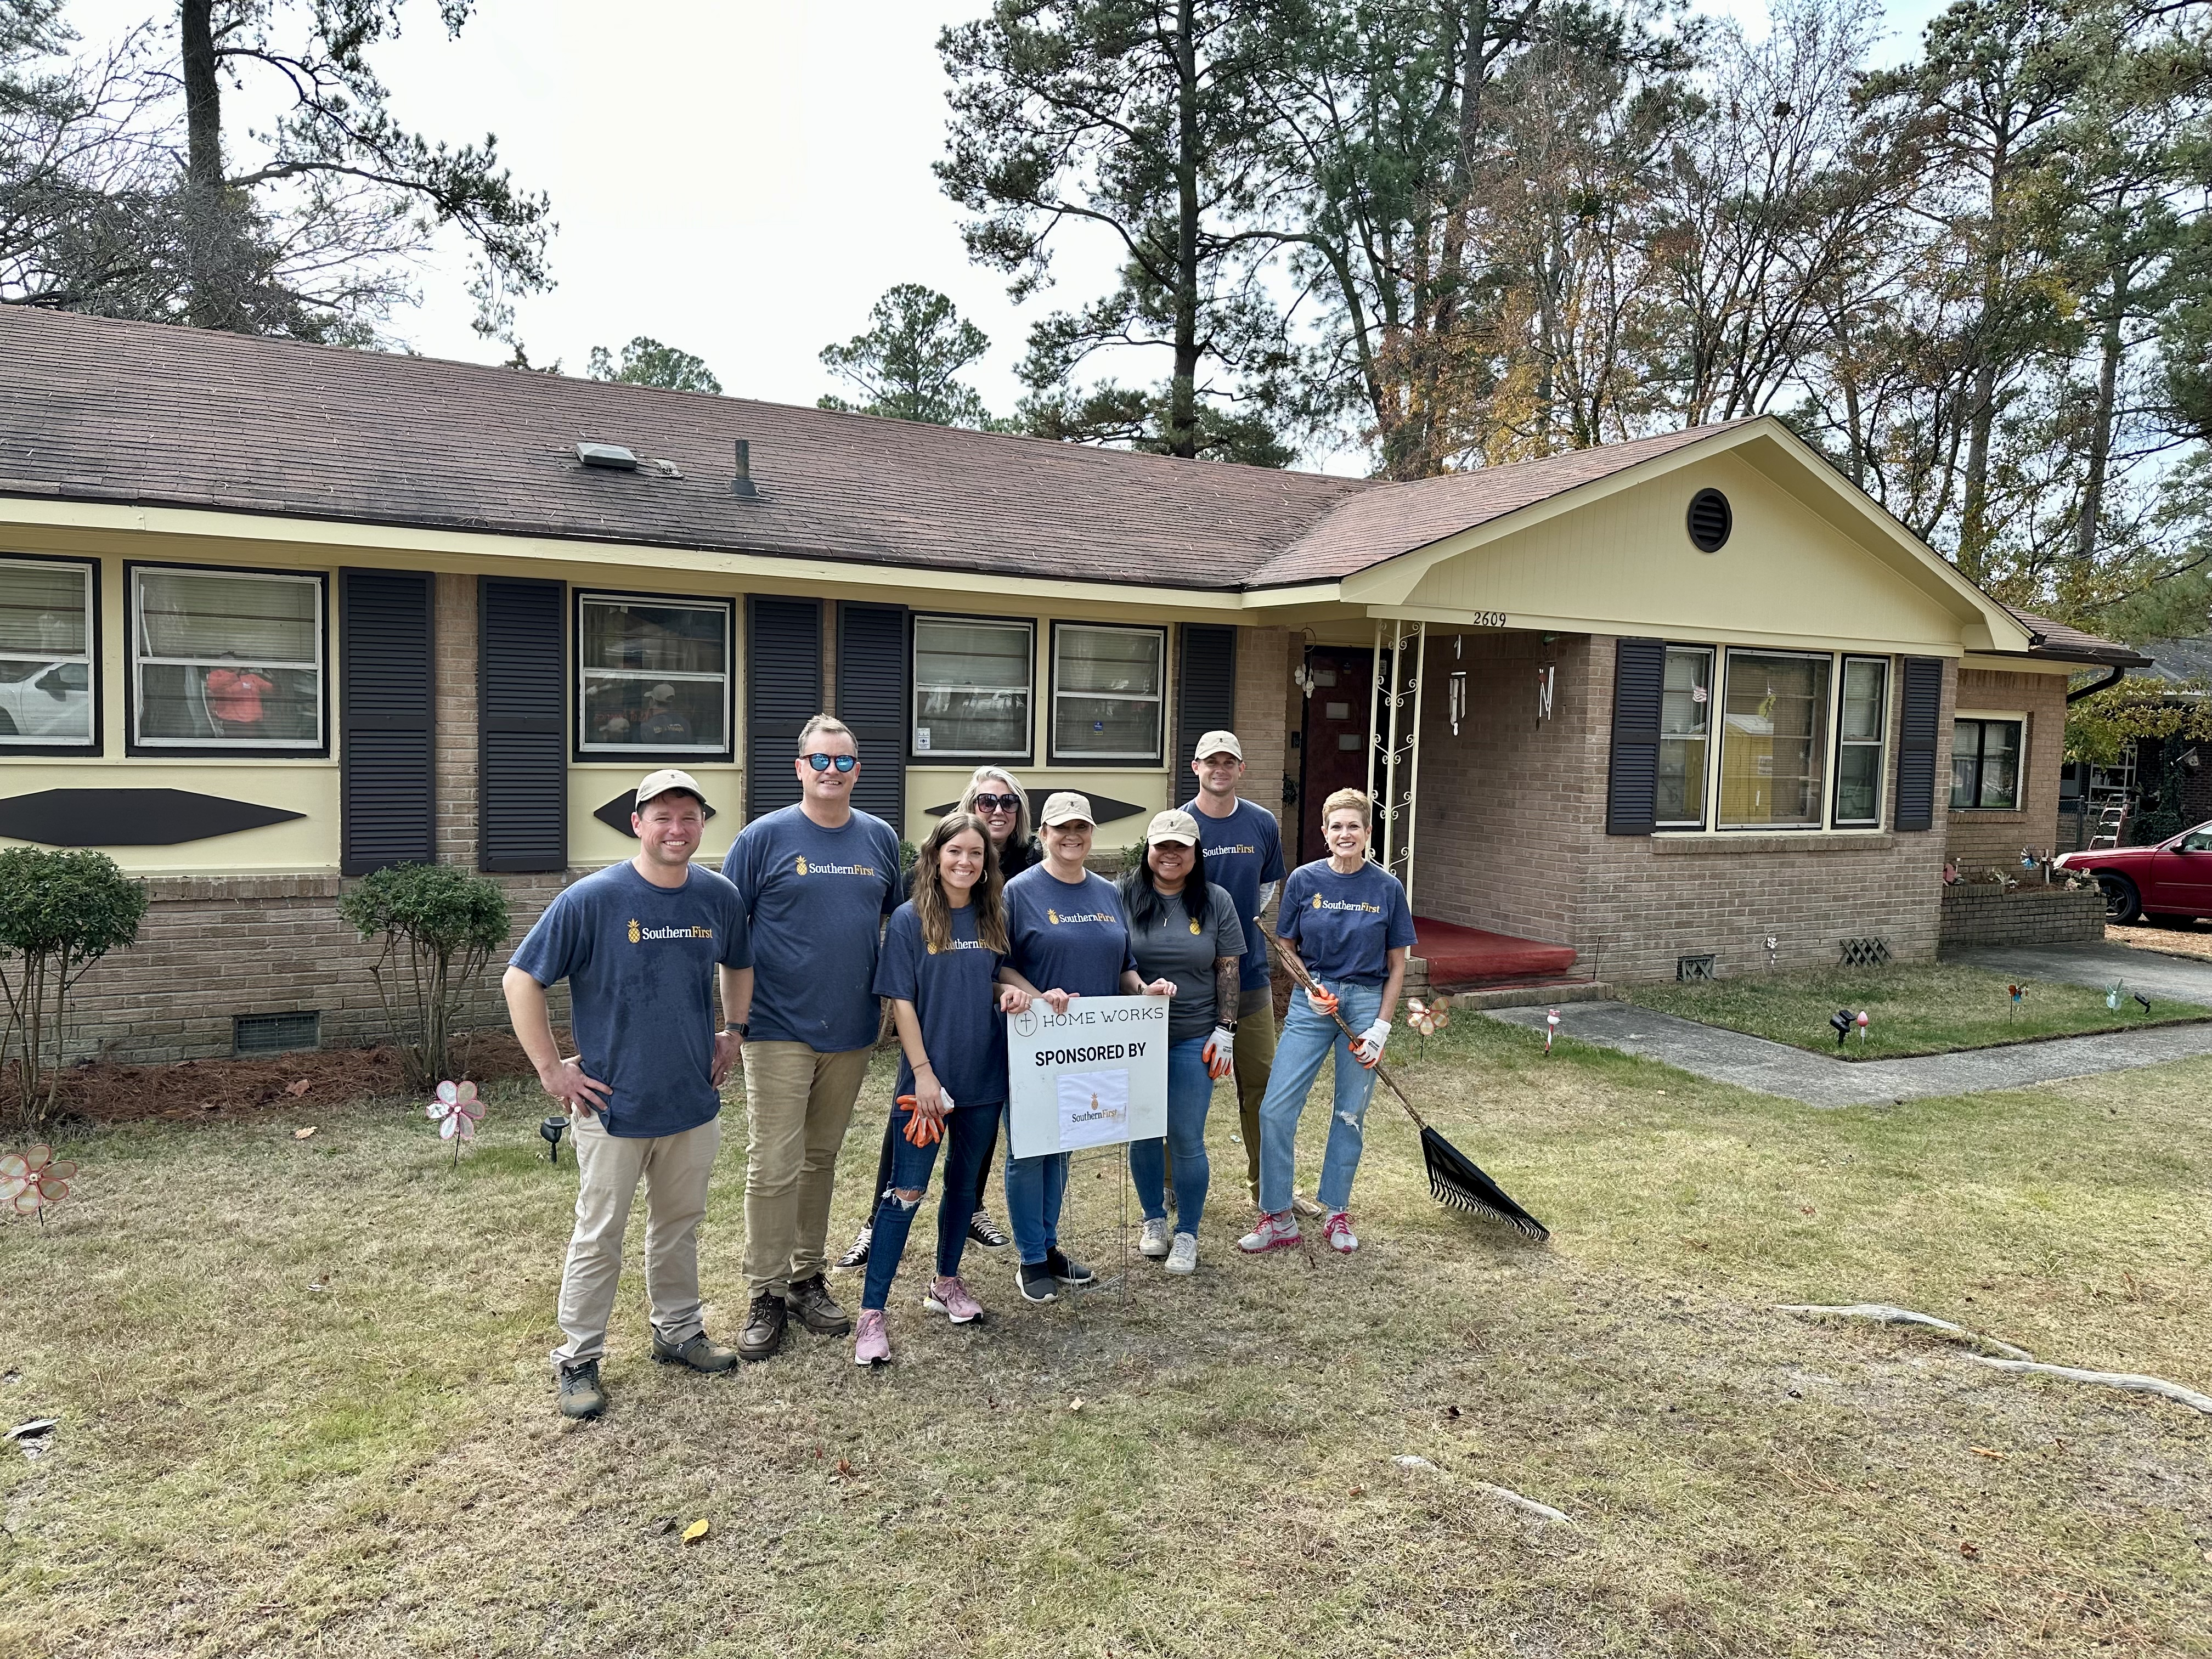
[1154, 1243]
[1183, 1257]
[1337, 1233]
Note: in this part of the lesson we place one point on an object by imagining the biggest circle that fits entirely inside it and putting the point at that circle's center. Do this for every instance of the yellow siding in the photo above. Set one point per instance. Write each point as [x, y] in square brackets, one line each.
[308, 845]
[937, 786]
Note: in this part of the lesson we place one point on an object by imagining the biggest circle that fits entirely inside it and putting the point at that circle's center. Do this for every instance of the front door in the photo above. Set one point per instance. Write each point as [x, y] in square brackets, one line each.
[1334, 744]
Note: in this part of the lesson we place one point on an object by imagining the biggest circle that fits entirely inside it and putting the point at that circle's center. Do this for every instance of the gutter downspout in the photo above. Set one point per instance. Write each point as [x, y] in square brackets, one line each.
[2112, 678]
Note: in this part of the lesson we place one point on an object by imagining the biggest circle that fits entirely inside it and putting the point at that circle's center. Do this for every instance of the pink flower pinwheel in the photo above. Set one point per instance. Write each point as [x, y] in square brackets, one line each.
[456, 1111]
[31, 1182]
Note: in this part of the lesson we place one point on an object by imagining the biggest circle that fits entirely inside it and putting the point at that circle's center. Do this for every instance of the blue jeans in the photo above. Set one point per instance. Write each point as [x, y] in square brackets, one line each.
[1034, 1187]
[1190, 1091]
[971, 1132]
[1308, 1039]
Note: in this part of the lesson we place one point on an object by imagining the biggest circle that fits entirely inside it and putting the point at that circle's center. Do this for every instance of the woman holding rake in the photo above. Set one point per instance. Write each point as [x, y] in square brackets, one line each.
[1346, 922]
[943, 958]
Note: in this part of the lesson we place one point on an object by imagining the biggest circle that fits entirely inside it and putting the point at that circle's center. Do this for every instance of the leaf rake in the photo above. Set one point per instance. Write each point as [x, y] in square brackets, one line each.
[1455, 1179]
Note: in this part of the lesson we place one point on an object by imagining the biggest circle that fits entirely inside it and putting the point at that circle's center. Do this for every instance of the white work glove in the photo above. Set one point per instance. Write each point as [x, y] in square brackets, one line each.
[1322, 1002]
[1368, 1051]
[1220, 1053]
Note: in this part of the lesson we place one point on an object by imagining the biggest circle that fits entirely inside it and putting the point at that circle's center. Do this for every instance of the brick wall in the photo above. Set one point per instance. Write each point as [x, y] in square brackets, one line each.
[455, 762]
[1984, 914]
[1263, 669]
[1512, 837]
[1980, 838]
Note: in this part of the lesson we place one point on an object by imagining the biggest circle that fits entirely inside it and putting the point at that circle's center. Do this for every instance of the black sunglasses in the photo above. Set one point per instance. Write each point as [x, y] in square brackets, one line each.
[823, 763]
[998, 803]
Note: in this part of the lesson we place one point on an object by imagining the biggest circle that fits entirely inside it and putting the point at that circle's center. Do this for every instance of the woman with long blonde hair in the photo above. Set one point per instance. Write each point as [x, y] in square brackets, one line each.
[942, 956]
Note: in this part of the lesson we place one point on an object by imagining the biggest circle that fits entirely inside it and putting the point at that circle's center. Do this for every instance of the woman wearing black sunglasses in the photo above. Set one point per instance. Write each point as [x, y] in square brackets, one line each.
[1004, 806]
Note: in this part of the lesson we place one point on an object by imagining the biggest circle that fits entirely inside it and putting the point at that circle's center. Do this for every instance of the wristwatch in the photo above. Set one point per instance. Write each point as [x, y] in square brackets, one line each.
[742, 1028]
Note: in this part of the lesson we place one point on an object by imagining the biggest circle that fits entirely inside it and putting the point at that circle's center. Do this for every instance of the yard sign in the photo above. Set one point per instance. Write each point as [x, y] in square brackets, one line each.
[1095, 1076]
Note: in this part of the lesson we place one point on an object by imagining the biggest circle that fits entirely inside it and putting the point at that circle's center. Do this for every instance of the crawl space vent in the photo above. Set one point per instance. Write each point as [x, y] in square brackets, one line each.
[1694, 970]
[275, 1034]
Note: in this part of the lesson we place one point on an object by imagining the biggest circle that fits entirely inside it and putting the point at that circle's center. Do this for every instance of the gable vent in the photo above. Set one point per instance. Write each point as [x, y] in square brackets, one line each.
[1710, 520]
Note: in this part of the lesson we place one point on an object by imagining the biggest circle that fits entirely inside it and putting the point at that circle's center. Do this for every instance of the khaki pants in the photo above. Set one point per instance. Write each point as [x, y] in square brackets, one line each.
[675, 1169]
[1256, 1062]
[797, 1104]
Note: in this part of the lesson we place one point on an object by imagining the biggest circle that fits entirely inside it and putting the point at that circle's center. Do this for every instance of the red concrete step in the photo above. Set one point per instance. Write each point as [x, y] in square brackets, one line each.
[1470, 955]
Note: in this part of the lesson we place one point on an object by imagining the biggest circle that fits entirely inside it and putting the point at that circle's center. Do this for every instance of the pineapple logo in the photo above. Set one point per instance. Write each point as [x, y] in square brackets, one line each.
[1053, 916]
[1316, 904]
[1193, 927]
[930, 949]
[802, 864]
[633, 930]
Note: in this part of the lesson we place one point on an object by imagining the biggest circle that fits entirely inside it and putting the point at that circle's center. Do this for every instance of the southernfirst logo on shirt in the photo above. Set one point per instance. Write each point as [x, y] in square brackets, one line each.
[1057, 920]
[801, 867]
[1321, 903]
[1241, 847]
[639, 935]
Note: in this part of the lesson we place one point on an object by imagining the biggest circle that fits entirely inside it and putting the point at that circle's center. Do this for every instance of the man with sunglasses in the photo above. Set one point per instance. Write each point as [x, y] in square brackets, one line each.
[815, 881]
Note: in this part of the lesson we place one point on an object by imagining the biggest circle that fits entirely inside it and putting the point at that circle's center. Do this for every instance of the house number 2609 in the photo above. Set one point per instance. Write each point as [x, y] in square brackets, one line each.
[1486, 619]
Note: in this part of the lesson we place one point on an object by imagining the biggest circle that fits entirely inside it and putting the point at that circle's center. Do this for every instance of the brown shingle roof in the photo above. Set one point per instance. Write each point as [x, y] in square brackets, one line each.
[2056, 639]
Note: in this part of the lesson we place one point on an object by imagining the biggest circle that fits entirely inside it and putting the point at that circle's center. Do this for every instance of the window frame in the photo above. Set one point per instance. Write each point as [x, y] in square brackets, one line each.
[1880, 744]
[1819, 770]
[1993, 717]
[318, 748]
[1054, 756]
[1712, 656]
[582, 752]
[95, 662]
[934, 755]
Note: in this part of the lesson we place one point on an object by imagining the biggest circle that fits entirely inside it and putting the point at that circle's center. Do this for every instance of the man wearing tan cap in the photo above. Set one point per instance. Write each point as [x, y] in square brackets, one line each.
[641, 944]
[1243, 849]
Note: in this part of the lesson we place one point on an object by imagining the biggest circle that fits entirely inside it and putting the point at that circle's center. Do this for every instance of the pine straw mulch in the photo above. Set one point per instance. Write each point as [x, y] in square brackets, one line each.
[105, 1091]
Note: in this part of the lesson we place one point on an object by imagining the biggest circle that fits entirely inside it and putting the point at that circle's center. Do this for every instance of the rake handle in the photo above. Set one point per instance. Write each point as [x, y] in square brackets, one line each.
[1296, 971]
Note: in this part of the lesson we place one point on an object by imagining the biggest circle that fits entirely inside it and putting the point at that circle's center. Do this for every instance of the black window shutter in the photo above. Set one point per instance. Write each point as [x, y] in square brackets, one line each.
[1205, 697]
[872, 682]
[522, 772]
[1919, 715]
[386, 795]
[1632, 789]
[783, 691]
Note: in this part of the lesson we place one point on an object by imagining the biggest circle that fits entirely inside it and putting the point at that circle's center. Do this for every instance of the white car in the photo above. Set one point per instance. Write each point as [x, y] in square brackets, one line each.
[45, 700]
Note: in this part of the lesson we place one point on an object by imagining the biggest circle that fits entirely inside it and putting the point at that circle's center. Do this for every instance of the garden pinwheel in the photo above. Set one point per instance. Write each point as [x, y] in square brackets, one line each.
[31, 1182]
[456, 1110]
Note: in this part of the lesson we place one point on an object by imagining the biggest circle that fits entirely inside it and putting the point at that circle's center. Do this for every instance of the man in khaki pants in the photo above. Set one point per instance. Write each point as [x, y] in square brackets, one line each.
[815, 881]
[640, 945]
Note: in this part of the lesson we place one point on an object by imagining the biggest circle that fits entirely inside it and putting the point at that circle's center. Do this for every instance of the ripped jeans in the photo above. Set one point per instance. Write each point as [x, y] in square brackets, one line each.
[1308, 1039]
[971, 1132]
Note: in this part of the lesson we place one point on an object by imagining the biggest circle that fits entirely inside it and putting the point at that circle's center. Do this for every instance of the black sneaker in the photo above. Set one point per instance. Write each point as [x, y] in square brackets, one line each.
[1034, 1280]
[582, 1396]
[816, 1309]
[766, 1321]
[856, 1256]
[1067, 1271]
[697, 1354]
[985, 1232]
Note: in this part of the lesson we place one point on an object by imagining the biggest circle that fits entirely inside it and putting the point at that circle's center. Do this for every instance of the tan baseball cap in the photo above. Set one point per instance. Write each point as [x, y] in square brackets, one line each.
[1218, 743]
[669, 777]
[1067, 807]
[1173, 824]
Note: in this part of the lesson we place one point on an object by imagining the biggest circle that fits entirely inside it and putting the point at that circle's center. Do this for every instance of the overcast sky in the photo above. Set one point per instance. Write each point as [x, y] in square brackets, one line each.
[737, 177]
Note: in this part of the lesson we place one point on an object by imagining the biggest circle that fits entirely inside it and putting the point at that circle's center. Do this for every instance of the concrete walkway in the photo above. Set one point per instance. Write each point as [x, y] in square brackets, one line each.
[2184, 979]
[1775, 1068]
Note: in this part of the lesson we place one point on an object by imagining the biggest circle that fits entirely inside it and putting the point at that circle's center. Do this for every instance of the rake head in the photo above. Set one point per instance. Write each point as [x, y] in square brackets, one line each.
[1456, 1179]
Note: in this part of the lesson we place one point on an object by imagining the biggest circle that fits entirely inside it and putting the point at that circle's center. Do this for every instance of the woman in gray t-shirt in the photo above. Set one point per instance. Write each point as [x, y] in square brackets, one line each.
[1186, 929]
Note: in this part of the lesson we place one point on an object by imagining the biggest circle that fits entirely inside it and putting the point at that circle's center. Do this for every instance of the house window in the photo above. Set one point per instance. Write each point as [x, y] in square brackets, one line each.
[653, 675]
[1861, 731]
[971, 687]
[1985, 763]
[46, 654]
[1774, 740]
[226, 659]
[1684, 726]
[1106, 692]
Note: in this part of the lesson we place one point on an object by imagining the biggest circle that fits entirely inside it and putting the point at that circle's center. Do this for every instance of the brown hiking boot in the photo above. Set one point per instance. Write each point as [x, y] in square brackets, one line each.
[765, 1323]
[816, 1309]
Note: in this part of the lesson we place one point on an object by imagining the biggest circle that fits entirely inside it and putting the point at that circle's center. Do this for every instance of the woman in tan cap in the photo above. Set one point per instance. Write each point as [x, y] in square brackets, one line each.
[1185, 929]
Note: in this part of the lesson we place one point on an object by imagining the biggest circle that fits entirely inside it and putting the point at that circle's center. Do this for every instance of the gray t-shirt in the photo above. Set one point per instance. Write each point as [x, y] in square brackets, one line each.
[1174, 947]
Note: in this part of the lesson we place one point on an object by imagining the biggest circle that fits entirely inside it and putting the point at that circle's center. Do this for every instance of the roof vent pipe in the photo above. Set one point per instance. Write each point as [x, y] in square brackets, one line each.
[742, 485]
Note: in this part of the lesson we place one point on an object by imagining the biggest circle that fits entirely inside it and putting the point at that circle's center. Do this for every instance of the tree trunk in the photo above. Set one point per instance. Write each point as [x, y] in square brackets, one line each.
[204, 235]
[2101, 425]
[1182, 408]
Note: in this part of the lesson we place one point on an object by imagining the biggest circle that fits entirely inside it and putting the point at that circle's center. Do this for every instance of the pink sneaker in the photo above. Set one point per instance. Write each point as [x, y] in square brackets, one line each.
[1336, 1233]
[872, 1345]
[1274, 1232]
[950, 1297]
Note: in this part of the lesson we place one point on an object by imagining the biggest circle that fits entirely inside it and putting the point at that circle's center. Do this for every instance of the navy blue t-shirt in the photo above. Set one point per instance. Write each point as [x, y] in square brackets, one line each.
[1244, 853]
[1344, 927]
[816, 900]
[640, 961]
[1067, 936]
[955, 994]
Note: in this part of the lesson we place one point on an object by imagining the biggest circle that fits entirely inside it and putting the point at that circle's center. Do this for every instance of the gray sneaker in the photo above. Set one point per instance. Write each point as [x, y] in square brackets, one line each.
[1182, 1258]
[695, 1353]
[1154, 1243]
[582, 1396]
[813, 1306]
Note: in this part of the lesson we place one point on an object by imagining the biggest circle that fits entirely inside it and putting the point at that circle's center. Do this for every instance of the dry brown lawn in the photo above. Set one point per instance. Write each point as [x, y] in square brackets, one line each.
[247, 1464]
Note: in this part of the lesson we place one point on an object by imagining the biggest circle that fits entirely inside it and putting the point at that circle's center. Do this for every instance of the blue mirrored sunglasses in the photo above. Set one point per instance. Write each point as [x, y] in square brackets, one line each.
[823, 763]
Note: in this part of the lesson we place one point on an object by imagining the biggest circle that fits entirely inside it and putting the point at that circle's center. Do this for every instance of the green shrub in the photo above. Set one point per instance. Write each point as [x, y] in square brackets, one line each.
[60, 912]
[438, 926]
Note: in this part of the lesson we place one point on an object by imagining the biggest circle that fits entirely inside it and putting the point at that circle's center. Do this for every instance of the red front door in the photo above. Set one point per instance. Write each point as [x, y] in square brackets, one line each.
[1335, 739]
